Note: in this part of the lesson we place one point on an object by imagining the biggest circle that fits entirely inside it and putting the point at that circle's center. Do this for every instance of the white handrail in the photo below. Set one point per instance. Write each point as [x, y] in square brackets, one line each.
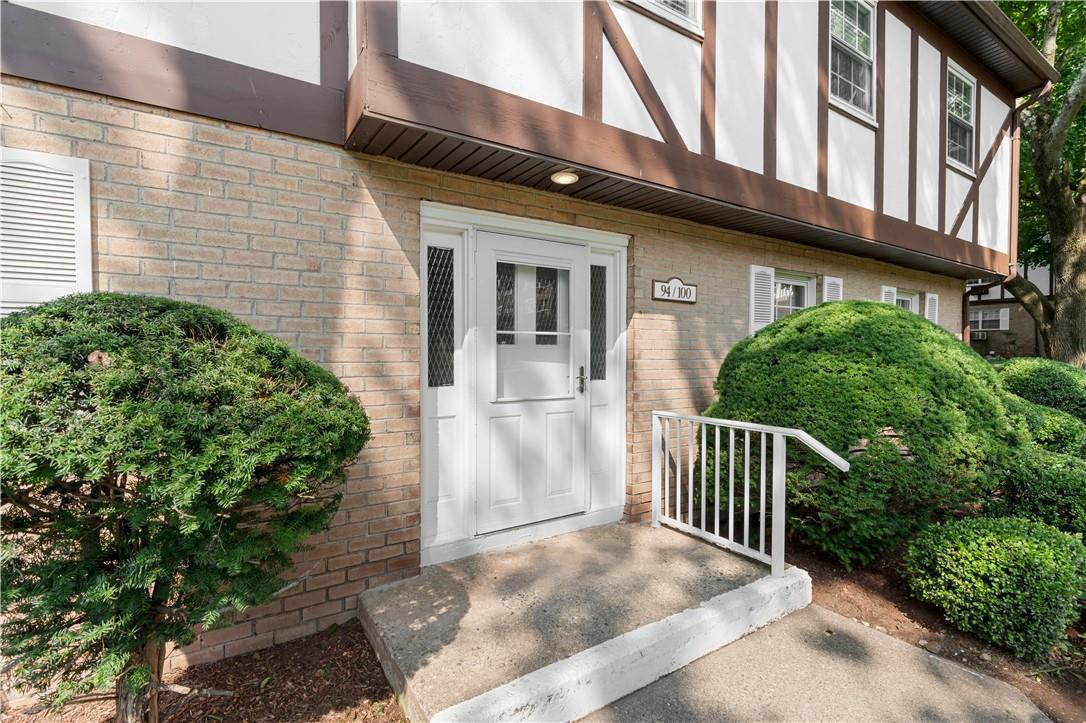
[823, 451]
[670, 512]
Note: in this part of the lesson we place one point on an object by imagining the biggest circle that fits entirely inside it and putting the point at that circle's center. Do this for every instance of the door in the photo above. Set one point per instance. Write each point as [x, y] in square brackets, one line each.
[530, 383]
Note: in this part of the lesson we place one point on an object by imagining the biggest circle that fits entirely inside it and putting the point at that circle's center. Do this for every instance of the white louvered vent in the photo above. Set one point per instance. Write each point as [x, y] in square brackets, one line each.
[761, 297]
[44, 228]
[931, 307]
[833, 288]
[889, 294]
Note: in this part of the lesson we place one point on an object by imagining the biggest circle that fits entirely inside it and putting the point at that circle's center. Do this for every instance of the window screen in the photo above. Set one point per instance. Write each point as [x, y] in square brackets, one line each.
[851, 57]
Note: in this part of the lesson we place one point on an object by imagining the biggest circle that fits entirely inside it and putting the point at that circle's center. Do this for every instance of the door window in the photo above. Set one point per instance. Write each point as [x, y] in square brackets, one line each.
[532, 327]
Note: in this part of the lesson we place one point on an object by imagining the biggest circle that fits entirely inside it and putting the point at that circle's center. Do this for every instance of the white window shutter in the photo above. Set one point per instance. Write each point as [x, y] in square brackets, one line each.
[761, 297]
[889, 294]
[1004, 319]
[833, 288]
[931, 307]
[45, 248]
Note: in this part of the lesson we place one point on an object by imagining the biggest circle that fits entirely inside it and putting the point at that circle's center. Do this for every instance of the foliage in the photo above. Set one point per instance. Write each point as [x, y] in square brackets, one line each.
[1044, 381]
[1049, 428]
[1012, 582]
[161, 463]
[845, 370]
[1035, 244]
[1042, 486]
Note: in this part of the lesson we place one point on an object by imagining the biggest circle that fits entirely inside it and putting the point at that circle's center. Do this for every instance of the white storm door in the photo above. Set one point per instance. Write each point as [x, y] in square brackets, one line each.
[530, 387]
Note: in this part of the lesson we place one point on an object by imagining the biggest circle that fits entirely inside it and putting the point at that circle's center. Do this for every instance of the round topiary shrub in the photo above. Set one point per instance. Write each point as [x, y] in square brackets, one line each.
[1011, 582]
[162, 461]
[1049, 428]
[926, 411]
[1044, 381]
[1040, 485]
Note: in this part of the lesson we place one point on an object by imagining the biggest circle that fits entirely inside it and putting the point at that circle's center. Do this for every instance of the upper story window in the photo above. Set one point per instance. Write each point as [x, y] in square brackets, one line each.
[852, 56]
[960, 95]
[684, 15]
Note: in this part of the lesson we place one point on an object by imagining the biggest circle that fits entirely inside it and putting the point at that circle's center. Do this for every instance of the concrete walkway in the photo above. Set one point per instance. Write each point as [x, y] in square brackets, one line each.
[815, 665]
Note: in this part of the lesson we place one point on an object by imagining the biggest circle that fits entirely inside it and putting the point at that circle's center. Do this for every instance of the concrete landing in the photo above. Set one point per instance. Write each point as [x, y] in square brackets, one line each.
[465, 628]
[817, 665]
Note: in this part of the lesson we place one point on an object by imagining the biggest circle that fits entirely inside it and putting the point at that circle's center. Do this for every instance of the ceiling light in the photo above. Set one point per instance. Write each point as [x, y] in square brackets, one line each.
[565, 177]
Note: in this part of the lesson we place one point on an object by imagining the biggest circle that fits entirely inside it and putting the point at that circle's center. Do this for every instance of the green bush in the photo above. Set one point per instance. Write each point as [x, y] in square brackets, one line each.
[1042, 486]
[1050, 428]
[1044, 381]
[161, 464]
[1012, 582]
[845, 370]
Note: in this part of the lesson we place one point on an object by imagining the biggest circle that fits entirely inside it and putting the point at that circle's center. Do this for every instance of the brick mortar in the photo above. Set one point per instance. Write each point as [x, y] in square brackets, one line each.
[320, 247]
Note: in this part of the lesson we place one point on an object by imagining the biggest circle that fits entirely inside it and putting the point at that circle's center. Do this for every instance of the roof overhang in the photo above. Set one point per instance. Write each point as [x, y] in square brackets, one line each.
[980, 27]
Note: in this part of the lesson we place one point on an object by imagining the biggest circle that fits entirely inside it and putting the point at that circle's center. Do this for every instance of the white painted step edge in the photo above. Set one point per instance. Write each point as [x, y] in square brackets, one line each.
[572, 688]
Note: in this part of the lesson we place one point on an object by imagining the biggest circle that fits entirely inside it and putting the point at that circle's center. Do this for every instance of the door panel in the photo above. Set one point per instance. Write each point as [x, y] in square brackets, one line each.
[531, 405]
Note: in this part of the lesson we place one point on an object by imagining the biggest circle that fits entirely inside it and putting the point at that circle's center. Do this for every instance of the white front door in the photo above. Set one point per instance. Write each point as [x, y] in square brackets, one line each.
[530, 380]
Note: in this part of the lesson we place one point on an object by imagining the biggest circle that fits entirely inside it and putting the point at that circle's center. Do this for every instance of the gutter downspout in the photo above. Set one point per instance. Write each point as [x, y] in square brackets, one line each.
[1013, 270]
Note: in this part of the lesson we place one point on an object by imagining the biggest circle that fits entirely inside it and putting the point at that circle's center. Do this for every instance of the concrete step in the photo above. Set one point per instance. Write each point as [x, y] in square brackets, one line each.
[559, 628]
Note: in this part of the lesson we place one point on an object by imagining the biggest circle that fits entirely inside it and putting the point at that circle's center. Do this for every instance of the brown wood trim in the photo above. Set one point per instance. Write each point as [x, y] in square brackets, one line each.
[1016, 151]
[381, 20]
[946, 45]
[976, 154]
[708, 79]
[334, 42]
[769, 98]
[404, 92]
[823, 123]
[359, 25]
[592, 103]
[942, 141]
[627, 56]
[53, 49]
[982, 171]
[880, 105]
[914, 94]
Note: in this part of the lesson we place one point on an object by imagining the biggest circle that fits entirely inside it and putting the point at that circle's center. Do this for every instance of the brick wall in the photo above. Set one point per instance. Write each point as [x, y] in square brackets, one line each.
[321, 248]
[1020, 338]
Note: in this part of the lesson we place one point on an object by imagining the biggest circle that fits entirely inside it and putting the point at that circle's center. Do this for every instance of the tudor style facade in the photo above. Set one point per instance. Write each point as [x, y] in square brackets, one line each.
[377, 184]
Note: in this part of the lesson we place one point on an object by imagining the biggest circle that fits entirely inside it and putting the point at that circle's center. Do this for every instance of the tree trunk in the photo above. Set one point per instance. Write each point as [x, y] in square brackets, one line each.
[140, 705]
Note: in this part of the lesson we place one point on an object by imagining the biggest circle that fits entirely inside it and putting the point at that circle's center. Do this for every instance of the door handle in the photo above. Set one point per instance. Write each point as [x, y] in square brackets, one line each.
[580, 381]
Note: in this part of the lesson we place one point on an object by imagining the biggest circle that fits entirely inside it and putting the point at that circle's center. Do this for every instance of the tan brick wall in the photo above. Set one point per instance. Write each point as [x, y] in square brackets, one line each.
[321, 248]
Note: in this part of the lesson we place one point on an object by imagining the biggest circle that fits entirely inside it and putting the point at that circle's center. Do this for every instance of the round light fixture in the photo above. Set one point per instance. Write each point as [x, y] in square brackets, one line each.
[565, 177]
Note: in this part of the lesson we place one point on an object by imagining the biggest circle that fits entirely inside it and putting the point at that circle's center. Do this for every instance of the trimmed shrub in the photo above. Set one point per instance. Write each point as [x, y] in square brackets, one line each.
[1012, 582]
[162, 462]
[1044, 381]
[1050, 428]
[846, 370]
[1040, 485]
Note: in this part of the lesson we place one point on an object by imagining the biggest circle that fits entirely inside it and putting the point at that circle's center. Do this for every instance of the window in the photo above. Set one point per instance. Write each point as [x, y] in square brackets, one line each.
[684, 15]
[908, 300]
[776, 293]
[597, 321]
[439, 316]
[960, 92]
[790, 294]
[989, 319]
[852, 57]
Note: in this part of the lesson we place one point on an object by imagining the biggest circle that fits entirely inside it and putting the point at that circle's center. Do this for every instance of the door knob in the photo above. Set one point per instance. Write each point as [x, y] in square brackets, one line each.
[580, 381]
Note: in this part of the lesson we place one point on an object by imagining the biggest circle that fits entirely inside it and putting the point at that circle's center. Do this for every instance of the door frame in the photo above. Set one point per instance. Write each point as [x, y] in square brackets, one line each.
[446, 477]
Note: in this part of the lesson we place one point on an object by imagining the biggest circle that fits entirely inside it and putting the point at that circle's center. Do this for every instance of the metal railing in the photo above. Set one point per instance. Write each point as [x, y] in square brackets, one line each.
[691, 501]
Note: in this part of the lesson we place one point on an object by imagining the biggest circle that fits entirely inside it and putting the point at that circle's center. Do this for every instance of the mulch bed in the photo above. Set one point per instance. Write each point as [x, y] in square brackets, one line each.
[878, 597]
[331, 676]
